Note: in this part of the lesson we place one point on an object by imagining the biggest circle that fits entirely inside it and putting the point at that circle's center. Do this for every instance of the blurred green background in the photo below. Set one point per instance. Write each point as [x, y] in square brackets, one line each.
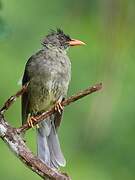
[98, 132]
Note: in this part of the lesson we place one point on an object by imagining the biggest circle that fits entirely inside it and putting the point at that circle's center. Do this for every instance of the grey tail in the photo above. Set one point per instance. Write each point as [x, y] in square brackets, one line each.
[48, 145]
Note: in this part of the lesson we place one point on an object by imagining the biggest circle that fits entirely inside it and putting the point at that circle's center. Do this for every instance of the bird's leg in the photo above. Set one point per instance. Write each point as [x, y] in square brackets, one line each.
[58, 107]
[31, 120]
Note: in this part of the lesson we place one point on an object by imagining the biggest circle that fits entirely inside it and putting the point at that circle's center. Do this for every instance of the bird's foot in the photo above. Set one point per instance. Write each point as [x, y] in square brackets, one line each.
[31, 120]
[58, 107]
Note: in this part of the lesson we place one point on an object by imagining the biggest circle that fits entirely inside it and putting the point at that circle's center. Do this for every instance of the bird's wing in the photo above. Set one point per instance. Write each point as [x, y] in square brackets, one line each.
[57, 119]
[25, 101]
[58, 115]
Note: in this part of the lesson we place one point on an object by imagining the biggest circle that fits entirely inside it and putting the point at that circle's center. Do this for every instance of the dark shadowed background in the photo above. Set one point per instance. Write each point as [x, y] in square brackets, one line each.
[98, 132]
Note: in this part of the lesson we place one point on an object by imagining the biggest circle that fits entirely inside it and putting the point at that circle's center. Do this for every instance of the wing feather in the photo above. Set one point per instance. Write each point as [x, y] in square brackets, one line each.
[25, 100]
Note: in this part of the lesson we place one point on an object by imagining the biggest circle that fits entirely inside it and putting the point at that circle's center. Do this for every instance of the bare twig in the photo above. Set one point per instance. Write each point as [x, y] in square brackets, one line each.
[66, 102]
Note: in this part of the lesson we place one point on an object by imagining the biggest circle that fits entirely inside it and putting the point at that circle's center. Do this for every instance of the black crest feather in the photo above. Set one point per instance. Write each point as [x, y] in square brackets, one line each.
[60, 33]
[57, 38]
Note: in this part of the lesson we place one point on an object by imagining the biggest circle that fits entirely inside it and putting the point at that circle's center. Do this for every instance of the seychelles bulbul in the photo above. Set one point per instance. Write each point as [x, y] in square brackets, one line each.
[48, 72]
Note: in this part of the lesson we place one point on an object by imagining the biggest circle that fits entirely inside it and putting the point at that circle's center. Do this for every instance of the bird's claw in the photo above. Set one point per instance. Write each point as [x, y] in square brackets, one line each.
[58, 107]
[31, 120]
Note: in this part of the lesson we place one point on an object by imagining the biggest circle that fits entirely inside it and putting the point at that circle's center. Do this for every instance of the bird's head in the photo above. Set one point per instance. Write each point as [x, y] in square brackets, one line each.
[60, 40]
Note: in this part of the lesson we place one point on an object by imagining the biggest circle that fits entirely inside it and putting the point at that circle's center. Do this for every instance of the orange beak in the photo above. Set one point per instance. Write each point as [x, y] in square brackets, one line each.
[75, 42]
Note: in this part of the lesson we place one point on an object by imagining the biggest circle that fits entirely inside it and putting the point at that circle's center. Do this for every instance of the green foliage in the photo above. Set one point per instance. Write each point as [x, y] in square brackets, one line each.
[97, 133]
[3, 27]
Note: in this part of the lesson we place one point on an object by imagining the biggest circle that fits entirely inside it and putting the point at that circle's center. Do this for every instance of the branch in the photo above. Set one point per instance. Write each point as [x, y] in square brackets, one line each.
[12, 137]
[17, 145]
[13, 98]
[66, 102]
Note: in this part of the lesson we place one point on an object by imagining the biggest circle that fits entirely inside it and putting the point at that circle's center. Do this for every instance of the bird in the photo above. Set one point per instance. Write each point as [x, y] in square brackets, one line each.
[48, 73]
